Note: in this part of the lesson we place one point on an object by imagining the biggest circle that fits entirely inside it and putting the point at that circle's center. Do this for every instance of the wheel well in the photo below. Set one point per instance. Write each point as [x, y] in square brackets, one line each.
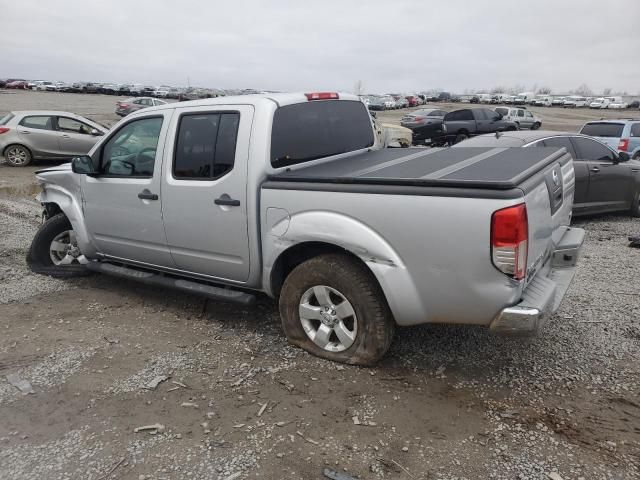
[463, 131]
[294, 256]
[17, 145]
[52, 209]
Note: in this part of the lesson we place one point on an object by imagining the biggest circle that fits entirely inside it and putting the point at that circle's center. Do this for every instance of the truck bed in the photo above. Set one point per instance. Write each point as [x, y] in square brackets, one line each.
[477, 168]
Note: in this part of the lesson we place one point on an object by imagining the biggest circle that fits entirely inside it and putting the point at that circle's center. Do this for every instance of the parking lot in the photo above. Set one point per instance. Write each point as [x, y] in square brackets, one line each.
[226, 397]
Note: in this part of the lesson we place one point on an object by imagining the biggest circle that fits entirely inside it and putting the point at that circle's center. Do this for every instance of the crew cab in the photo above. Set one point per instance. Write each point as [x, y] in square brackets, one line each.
[467, 122]
[290, 195]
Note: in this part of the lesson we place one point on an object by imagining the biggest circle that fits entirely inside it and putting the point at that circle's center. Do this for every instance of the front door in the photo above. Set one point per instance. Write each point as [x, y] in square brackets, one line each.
[74, 136]
[122, 207]
[610, 182]
[205, 197]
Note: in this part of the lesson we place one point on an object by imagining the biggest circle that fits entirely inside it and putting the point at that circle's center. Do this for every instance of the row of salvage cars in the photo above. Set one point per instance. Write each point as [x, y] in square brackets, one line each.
[606, 153]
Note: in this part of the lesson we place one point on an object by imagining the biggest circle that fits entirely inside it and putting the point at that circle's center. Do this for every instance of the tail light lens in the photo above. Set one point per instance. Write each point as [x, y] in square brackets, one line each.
[623, 146]
[509, 240]
[4, 130]
[418, 118]
[123, 105]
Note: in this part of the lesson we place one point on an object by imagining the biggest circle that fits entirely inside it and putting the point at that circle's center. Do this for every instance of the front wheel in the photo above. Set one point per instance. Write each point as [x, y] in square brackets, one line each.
[54, 250]
[461, 137]
[333, 307]
[535, 126]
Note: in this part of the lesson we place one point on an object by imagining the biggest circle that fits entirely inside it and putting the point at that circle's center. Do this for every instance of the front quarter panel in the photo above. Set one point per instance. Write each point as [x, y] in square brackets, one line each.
[62, 187]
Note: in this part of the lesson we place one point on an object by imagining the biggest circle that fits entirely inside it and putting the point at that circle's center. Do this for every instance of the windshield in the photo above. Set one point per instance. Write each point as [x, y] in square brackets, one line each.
[603, 129]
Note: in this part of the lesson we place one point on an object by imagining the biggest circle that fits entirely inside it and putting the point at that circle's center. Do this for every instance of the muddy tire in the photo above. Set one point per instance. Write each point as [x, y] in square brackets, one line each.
[52, 250]
[333, 307]
[17, 156]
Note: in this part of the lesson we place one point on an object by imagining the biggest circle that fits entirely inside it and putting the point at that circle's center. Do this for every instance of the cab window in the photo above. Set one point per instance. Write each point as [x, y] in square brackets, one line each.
[131, 151]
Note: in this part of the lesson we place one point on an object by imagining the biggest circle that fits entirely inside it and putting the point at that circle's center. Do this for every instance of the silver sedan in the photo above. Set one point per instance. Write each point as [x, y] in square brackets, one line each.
[32, 135]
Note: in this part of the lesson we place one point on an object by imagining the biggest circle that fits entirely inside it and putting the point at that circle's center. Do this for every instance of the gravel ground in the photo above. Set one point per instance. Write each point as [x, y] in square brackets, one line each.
[447, 402]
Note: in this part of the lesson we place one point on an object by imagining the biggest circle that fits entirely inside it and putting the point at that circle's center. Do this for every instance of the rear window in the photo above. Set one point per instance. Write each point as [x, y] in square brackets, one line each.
[503, 111]
[603, 129]
[635, 129]
[4, 120]
[307, 131]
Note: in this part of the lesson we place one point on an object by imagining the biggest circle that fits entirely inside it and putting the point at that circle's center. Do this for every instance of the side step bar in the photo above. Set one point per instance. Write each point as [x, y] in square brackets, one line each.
[150, 278]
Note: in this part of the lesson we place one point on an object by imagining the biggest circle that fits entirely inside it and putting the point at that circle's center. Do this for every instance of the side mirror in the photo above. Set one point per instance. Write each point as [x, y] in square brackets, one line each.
[623, 157]
[96, 133]
[373, 114]
[84, 165]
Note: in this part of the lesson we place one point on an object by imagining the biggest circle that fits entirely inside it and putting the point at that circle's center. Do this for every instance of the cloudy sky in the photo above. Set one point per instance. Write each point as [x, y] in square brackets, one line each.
[390, 45]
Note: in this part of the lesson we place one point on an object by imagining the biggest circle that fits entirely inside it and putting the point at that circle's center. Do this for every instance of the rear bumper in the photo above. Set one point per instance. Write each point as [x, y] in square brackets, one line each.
[545, 292]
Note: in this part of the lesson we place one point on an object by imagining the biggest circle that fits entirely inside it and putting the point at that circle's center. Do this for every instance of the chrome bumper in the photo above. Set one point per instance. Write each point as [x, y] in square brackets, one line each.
[545, 292]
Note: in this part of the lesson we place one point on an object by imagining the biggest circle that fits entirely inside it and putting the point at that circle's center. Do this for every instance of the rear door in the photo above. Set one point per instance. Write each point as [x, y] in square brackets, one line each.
[38, 133]
[609, 181]
[122, 207]
[75, 137]
[204, 192]
[581, 169]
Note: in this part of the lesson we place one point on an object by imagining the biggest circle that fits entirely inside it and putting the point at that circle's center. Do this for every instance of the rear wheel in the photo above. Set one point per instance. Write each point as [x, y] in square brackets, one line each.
[535, 126]
[461, 137]
[17, 156]
[333, 307]
[54, 250]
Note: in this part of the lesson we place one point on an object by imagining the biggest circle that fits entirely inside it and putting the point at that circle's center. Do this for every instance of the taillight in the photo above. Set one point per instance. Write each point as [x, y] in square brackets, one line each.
[322, 96]
[623, 146]
[509, 239]
[418, 118]
[4, 130]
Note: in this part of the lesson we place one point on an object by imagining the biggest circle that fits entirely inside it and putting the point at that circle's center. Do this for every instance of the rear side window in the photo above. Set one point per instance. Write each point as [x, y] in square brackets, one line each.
[603, 129]
[6, 119]
[635, 129]
[206, 146]
[437, 113]
[458, 115]
[561, 142]
[503, 111]
[311, 130]
[41, 123]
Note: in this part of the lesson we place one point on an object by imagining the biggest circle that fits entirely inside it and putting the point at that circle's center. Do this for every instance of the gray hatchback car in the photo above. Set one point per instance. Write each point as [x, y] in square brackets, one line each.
[125, 107]
[606, 180]
[31, 135]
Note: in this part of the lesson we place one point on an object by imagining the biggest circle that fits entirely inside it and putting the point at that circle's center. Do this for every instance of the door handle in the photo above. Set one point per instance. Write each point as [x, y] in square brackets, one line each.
[64, 135]
[26, 132]
[595, 169]
[227, 200]
[147, 195]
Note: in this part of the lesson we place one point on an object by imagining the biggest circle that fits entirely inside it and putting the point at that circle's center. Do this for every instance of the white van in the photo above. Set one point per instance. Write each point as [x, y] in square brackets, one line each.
[484, 97]
[524, 98]
[601, 102]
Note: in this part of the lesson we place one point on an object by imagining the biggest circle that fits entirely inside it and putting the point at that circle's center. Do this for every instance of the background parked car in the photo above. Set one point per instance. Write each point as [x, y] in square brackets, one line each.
[18, 84]
[389, 103]
[462, 124]
[125, 107]
[401, 102]
[425, 124]
[522, 117]
[621, 135]
[29, 135]
[606, 181]
[574, 102]
[600, 102]
[558, 101]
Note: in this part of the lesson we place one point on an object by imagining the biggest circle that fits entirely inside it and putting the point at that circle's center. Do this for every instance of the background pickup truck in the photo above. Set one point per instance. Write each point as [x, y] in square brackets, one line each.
[462, 124]
[289, 194]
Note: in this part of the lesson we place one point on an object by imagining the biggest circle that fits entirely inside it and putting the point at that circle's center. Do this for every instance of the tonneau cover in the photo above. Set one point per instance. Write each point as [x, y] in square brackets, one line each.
[472, 167]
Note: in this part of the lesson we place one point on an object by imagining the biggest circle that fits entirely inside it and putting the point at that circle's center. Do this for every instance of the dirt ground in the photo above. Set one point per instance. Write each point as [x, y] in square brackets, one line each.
[234, 401]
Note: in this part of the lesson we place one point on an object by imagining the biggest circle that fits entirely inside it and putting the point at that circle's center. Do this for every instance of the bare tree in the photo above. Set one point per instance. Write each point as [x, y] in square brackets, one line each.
[606, 91]
[516, 89]
[358, 89]
[583, 90]
[498, 90]
[544, 90]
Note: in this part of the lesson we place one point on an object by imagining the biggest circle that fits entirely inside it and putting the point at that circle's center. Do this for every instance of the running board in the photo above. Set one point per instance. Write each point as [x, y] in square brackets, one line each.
[150, 278]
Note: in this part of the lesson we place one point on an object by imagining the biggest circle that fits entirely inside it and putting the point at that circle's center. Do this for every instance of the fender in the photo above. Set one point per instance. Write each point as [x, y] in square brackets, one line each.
[359, 239]
[67, 194]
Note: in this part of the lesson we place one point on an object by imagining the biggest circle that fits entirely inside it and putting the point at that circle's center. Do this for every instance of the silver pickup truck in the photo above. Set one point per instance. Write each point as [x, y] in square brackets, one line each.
[290, 195]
